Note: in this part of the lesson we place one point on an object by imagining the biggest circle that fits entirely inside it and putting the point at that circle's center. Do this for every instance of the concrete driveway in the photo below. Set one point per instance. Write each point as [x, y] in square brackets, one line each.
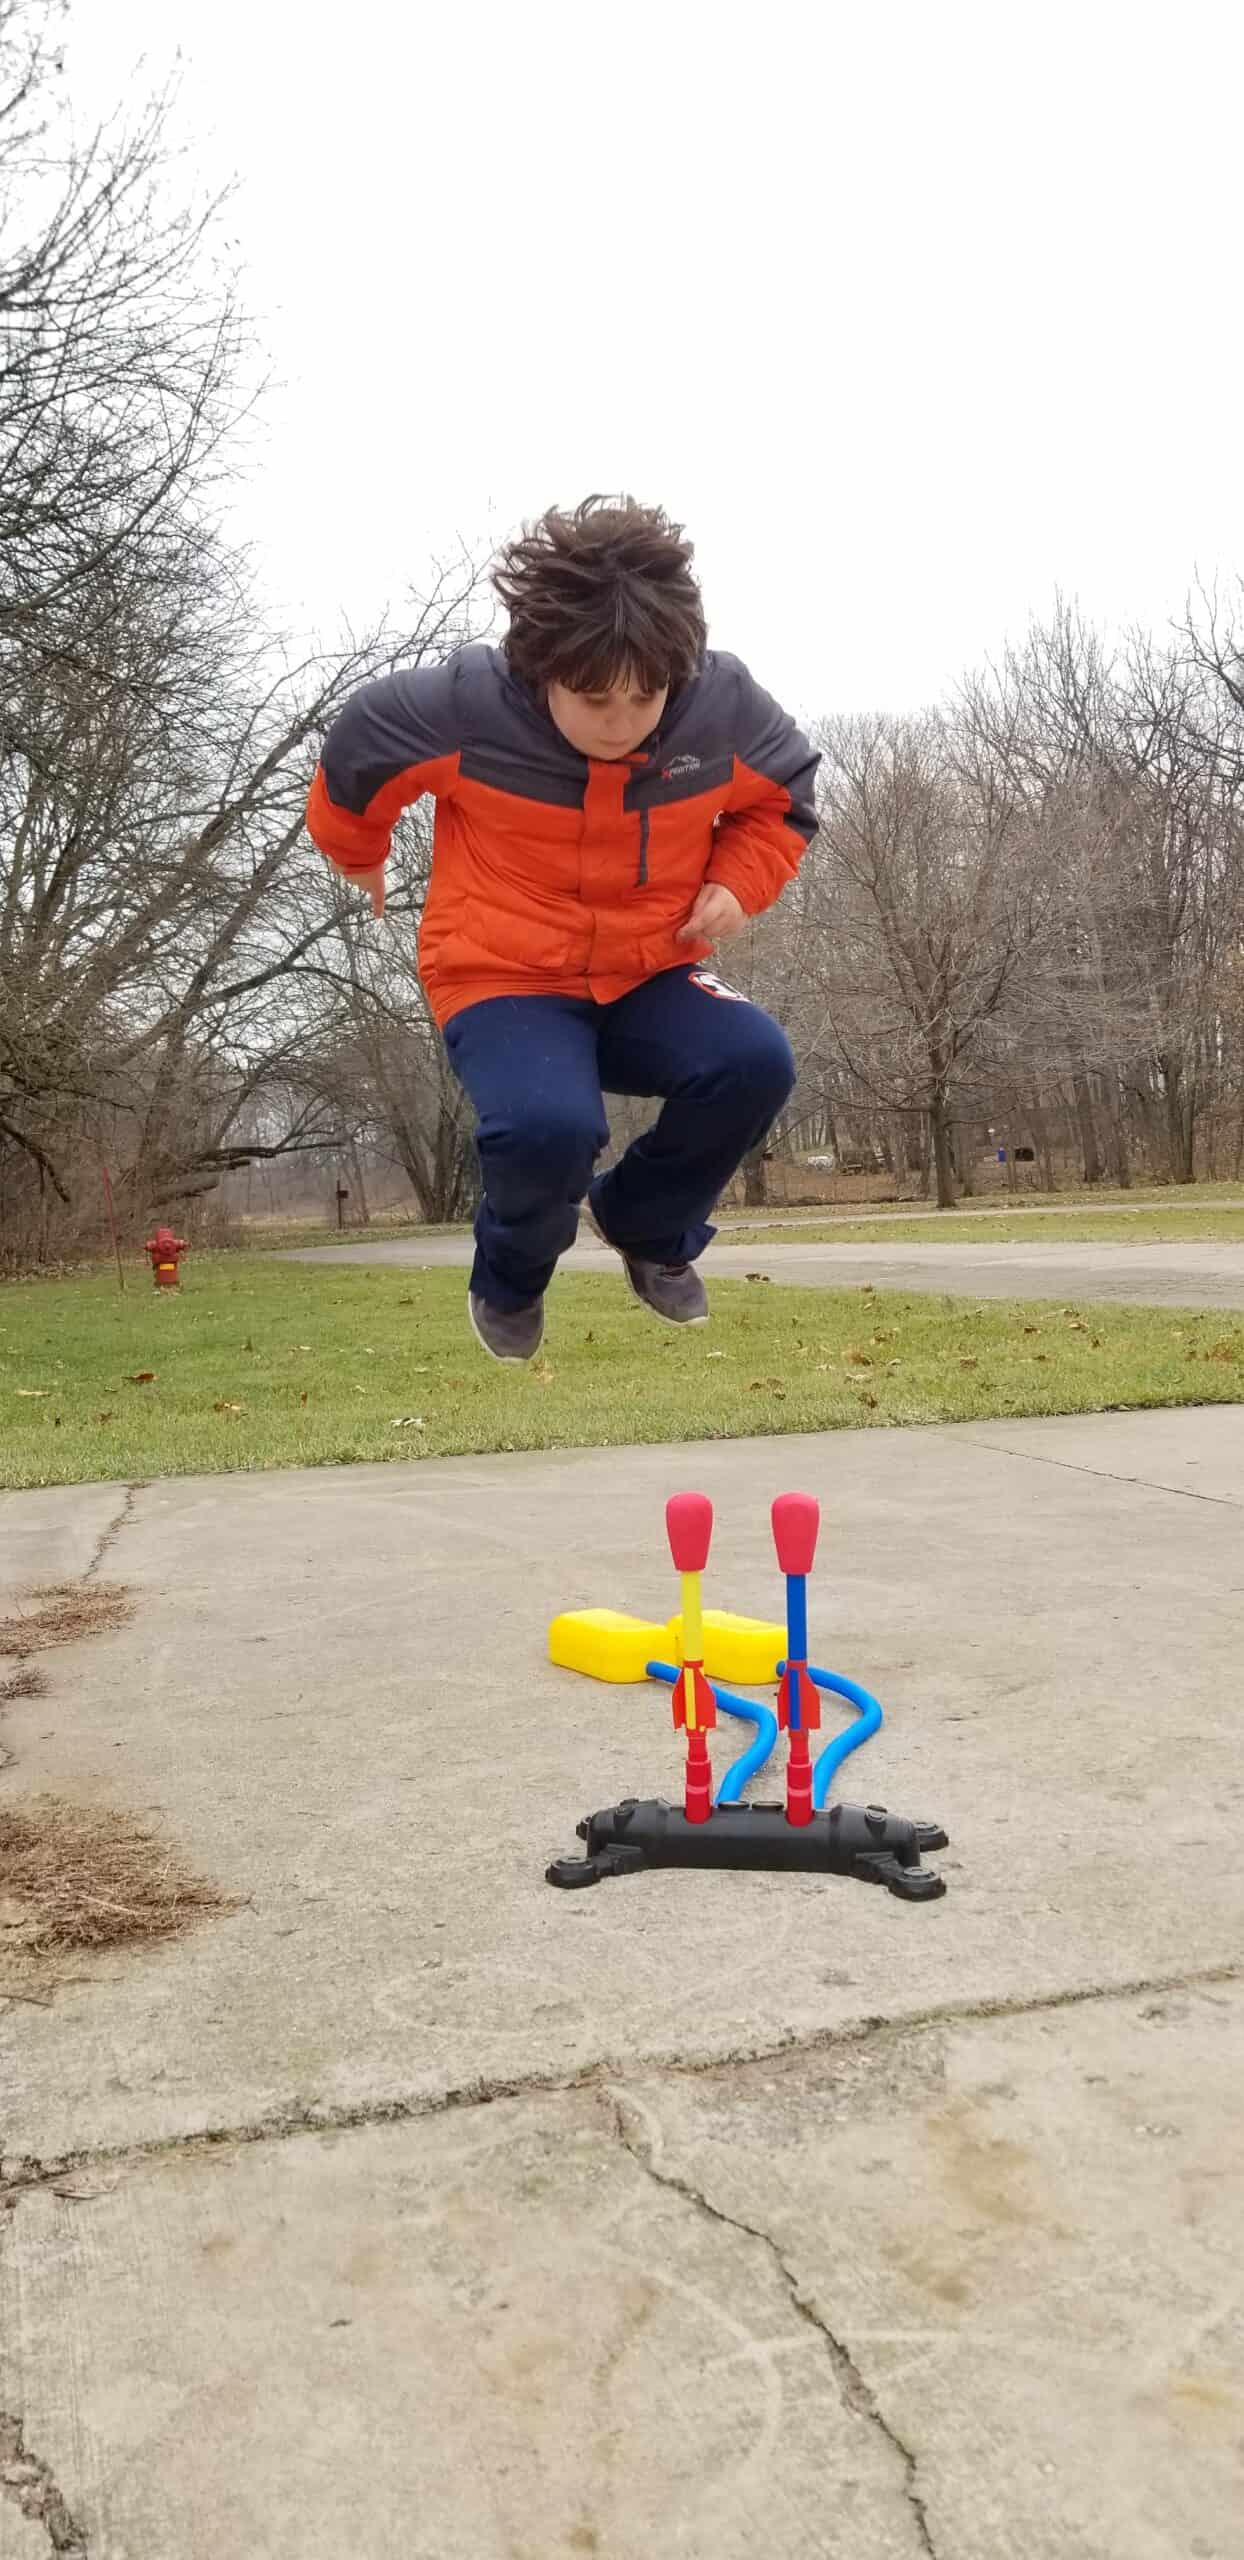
[413, 2209]
[1171, 1275]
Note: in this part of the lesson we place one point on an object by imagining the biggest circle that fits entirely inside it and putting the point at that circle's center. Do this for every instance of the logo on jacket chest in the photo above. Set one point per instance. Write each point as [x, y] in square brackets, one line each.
[678, 766]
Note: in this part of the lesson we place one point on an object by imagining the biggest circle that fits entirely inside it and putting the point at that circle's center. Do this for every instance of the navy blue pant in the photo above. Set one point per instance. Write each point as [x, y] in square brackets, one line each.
[536, 1068]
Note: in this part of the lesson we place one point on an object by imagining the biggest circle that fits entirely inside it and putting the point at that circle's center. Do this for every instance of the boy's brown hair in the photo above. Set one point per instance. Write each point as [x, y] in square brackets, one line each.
[599, 595]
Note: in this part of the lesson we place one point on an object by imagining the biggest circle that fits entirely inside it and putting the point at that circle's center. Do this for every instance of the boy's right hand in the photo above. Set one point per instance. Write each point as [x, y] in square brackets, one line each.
[373, 883]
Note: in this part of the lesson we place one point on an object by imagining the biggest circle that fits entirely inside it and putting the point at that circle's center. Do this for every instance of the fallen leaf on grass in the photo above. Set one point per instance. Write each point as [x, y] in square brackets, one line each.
[759, 1275]
[544, 1374]
[1032, 1328]
[870, 1401]
[33, 1391]
[303, 1397]
[712, 1355]
[103, 1417]
[408, 1422]
[1228, 1350]
[969, 1364]
[858, 1359]
[143, 1377]
[222, 1405]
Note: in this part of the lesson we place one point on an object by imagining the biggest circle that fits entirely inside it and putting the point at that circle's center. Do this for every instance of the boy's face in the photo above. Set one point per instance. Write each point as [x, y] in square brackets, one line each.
[606, 725]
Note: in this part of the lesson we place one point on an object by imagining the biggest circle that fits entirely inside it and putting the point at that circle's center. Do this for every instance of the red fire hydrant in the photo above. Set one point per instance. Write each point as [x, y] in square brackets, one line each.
[165, 1250]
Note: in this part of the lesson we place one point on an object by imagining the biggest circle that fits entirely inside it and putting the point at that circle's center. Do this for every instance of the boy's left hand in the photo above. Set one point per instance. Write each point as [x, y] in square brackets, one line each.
[716, 916]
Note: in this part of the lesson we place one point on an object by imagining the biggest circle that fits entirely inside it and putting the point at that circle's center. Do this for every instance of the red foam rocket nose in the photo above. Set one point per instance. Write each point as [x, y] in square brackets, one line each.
[689, 1527]
[796, 1520]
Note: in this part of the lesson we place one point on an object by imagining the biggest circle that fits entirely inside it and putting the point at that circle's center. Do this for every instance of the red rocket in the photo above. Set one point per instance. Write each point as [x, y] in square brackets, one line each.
[689, 1526]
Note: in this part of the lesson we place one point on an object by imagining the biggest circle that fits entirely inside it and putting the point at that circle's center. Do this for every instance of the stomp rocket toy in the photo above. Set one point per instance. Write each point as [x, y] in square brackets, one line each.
[803, 1834]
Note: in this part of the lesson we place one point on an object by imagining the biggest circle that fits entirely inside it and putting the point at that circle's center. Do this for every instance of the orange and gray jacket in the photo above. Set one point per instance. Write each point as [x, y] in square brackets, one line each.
[553, 874]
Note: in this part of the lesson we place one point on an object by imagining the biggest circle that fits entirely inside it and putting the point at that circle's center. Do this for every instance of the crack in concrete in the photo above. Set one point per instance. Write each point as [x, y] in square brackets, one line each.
[1107, 1475]
[27, 2480]
[857, 2393]
[22, 2171]
[115, 1527]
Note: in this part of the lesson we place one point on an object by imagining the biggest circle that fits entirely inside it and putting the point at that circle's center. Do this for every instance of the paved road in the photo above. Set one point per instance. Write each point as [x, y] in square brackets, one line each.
[698, 2213]
[1171, 1275]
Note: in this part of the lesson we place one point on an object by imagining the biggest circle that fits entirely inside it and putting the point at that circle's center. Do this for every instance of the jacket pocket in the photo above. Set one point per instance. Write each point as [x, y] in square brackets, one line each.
[475, 939]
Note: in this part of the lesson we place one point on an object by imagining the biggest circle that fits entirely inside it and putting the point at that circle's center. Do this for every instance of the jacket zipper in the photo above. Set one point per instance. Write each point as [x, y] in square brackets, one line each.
[642, 882]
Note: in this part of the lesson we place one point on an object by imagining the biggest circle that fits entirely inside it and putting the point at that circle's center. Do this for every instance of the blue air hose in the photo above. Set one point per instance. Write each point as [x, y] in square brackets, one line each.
[758, 1750]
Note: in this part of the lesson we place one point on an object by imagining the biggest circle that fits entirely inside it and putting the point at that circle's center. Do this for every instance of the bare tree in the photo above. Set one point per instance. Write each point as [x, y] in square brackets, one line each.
[121, 356]
[935, 894]
[375, 1050]
[159, 905]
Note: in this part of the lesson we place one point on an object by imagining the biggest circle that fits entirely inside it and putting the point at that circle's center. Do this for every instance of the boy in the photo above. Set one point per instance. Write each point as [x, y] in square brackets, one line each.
[613, 799]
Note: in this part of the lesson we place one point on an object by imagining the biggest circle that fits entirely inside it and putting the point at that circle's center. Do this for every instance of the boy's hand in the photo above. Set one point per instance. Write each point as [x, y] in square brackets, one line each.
[372, 882]
[716, 916]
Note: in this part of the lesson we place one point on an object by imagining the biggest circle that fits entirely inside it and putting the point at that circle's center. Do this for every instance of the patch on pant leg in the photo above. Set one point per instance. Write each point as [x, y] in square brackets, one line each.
[715, 986]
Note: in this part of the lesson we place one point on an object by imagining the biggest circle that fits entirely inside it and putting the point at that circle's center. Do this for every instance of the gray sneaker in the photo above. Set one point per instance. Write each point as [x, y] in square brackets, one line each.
[511, 1337]
[672, 1290]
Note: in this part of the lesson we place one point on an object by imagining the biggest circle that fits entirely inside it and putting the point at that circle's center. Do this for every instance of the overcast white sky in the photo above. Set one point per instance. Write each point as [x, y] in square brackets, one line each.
[913, 314]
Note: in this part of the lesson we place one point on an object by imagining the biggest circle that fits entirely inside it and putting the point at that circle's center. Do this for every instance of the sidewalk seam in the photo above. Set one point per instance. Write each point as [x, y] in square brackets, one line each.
[20, 2173]
[1104, 1475]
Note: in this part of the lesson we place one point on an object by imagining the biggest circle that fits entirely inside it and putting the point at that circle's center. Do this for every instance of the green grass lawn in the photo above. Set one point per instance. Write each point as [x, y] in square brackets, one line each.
[991, 1226]
[258, 1365]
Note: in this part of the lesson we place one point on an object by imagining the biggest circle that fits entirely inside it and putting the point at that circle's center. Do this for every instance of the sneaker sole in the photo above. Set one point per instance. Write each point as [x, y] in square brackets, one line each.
[679, 1322]
[504, 1359]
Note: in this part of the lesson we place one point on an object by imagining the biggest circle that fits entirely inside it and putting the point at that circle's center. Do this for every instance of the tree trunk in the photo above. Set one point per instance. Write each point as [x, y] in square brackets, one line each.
[755, 1185]
[1041, 1132]
[356, 1168]
[939, 1117]
[1180, 1119]
[1088, 1127]
[1116, 1125]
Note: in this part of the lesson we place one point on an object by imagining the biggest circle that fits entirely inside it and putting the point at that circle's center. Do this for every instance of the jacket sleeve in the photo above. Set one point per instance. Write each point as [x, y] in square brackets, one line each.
[770, 818]
[394, 740]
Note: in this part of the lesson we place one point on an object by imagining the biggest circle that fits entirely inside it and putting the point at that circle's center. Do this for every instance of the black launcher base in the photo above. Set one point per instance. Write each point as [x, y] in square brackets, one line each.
[860, 1840]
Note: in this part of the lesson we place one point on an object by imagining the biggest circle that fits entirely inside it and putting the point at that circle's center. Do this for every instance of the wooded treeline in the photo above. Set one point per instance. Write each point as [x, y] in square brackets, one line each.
[1022, 923]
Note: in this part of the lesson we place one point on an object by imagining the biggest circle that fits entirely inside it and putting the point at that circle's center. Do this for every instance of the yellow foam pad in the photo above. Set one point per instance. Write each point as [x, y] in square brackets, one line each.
[744, 1649]
[605, 1643]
